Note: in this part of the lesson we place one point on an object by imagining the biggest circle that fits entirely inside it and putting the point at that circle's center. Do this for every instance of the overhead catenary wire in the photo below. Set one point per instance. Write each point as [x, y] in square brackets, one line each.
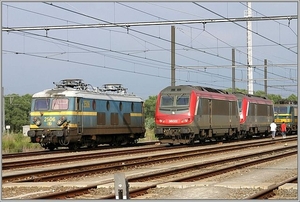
[195, 49]
[247, 28]
[116, 24]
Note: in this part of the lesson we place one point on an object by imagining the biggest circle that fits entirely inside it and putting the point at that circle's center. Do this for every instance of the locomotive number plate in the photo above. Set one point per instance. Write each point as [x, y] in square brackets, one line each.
[86, 104]
[49, 119]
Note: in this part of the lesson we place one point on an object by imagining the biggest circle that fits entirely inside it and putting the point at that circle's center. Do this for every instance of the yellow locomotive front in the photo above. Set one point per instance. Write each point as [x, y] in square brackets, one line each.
[54, 115]
[51, 121]
[287, 113]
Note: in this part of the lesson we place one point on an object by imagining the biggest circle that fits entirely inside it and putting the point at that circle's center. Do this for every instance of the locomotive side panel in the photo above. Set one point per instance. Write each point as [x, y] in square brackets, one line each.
[219, 115]
[112, 121]
[203, 115]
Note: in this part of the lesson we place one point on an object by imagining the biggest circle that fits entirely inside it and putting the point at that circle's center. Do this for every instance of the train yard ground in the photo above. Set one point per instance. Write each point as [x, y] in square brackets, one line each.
[245, 169]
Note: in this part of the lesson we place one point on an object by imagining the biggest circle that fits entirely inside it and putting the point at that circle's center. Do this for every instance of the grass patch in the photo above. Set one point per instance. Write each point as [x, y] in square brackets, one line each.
[17, 142]
[149, 136]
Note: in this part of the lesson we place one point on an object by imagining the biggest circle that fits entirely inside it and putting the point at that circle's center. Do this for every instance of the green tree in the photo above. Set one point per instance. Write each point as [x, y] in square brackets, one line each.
[260, 93]
[236, 90]
[17, 109]
[150, 111]
[293, 98]
[150, 106]
[274, 98]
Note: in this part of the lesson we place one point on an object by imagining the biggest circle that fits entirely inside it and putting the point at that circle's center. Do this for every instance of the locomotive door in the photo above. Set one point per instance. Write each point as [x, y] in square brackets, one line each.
[79, 110]
[210, 112]
[255, 113]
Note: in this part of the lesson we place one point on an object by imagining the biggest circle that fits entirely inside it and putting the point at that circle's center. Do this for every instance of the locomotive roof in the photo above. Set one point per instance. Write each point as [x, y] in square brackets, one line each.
[286, 105]
[254, 98]
[77, 88]
[190, 87]
[203, 91]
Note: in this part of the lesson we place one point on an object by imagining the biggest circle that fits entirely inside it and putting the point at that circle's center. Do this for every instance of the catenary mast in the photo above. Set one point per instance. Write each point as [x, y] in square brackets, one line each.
[249, 51]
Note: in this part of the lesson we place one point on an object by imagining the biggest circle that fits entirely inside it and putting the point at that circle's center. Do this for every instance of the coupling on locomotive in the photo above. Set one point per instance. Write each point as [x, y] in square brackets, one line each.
[75, 114]
[185, 114]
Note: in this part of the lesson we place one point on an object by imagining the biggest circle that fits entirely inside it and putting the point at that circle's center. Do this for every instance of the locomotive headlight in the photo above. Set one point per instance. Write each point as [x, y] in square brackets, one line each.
[37, 121]
[160, 120]
[185, 120]
[241, 116]
[61, 120]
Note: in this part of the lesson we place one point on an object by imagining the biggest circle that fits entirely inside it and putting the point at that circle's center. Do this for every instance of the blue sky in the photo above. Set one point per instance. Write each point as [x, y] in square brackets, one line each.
[139, 57]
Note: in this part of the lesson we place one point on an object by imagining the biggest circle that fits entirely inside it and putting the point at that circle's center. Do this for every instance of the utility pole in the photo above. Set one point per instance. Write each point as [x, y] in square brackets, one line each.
[172, 56]
[233, 70]
[3, 110]
[249, 51]
[265, 74]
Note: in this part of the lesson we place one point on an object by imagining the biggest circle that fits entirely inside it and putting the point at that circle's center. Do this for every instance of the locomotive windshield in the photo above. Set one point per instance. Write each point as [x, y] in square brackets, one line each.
[41, 104]
[182, 99]
[280, 110]
[57, 104]
[166, 100]
[174, 100]
[60, 104]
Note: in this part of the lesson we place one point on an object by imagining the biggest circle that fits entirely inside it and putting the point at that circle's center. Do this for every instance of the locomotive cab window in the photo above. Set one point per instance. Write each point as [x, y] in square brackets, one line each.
[60, 104]
[240, 105]
[41, 104]
[166, 100]
[182, 100]
[280, 110]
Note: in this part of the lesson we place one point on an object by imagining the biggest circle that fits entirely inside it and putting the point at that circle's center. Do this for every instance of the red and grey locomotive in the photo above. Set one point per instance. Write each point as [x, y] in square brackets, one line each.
[185, 114]
[256, 114]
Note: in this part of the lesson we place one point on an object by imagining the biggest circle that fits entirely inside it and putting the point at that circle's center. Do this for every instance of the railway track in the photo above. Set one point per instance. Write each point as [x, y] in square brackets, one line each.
[167, 175]
[75, 157]
[270, 192]
[15, 164]
[175, 175]
[88, 168]
[36, 154]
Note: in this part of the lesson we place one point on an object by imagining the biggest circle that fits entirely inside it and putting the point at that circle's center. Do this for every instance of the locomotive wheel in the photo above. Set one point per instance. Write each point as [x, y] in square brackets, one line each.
[241, 136]
[74, 147]
[132, 142]
[93, 145]
[51, 147]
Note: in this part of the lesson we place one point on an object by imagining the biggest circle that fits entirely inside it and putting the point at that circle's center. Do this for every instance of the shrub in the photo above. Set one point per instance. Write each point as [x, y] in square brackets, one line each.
[149, 123]
[17, 142]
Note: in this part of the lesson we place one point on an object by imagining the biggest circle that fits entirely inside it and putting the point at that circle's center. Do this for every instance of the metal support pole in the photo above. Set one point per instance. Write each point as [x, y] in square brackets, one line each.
[266, 82]
[233, 70]
[2, 111]
[121, 186]
[249, 51]
[172, 56]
